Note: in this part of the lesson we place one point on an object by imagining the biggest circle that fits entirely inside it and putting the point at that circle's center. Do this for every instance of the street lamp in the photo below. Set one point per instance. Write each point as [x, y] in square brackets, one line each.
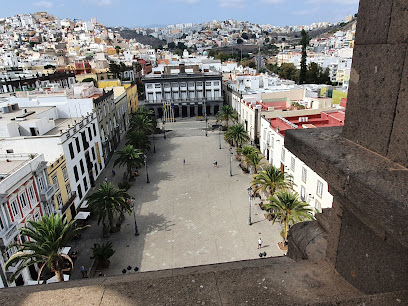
[164, 127]
[251, 196]
[219, 134]
[230, 152]
[147, 174]
[134, 216]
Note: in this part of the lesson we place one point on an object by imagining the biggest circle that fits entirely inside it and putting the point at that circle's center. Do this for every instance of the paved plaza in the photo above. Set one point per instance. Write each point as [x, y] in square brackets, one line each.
[190, 213]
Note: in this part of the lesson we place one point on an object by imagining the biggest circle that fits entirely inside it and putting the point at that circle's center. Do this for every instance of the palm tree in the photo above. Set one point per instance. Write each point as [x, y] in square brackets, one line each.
[129, 157]
[142, 122]
[254, 159]
[271, 180]
[47, 237]
[143, 110]
[107, 201]
[288, 209]
[139, 140]
[237, 134]
[226, 114]
[246, 150]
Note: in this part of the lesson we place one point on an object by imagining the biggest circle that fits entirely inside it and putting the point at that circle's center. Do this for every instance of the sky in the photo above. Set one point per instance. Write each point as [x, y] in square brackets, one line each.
[137, 13]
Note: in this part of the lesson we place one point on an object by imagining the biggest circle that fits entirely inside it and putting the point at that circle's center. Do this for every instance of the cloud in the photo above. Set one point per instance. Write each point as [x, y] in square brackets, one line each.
[46, 4]
[344, 2]
[101, 2]
[186, 1]
[232, 3]
[306, 12]
[271, 1]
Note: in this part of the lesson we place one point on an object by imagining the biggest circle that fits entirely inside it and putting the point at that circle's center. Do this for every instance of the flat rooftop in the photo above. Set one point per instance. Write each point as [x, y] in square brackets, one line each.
[30, 114]
[8, 166]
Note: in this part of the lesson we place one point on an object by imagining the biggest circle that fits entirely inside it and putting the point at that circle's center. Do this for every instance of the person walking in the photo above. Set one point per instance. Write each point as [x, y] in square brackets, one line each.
[164, 157]
[113, 172]
[260, 243]
[215, 163]
[82, 269]
[184, 161]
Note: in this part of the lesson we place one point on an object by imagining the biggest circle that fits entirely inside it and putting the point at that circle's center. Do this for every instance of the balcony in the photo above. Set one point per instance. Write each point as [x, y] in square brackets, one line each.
[47, 194]
[7, 235]
[69, 202]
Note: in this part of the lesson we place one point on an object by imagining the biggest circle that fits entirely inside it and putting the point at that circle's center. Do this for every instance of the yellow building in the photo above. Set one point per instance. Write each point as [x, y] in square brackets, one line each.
[64, 197]
[132, 98]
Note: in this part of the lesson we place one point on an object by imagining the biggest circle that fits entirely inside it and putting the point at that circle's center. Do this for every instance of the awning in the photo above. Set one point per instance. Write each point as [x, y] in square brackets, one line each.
[65, 250]
[82, 215]
[84, 204]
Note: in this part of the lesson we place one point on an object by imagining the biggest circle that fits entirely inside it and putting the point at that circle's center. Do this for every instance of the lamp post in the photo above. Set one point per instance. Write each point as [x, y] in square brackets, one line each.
[134, 216]
[219, 134]
[230, 152]
[164, 127]
[251, 195]
[147, 173]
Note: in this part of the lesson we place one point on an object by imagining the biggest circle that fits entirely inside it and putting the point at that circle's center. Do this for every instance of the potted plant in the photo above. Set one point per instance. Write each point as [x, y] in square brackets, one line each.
[101, 253]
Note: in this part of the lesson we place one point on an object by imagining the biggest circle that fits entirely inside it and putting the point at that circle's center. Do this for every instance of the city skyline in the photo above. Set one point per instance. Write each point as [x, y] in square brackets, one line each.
[124, 12]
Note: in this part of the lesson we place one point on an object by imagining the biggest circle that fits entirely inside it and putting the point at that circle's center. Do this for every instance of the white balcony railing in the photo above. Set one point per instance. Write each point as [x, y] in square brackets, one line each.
[7, 235]
[47, 194]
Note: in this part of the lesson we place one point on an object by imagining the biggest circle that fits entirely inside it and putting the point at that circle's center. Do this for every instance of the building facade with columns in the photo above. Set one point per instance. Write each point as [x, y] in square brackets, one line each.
[183, 94]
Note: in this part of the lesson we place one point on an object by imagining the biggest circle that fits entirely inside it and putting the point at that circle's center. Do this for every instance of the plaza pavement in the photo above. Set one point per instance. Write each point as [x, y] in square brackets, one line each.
[189, 214]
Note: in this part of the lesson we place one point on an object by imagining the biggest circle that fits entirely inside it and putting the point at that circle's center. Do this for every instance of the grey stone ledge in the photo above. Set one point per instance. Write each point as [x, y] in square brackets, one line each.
[374, 185]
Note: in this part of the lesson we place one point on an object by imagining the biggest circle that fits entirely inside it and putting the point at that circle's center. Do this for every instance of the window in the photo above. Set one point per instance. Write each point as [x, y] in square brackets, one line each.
[199, 94]
[158, 96]
[71, 151]
[207, 83]
[76, 173]
[31, 194]
[208, 93]
[41, 183]
[81, 164]
[149, 85]
[272, 142]
[303, 193]
[319, 190]
[150, 97]
[65, 173]
[318, 206]
[183, 84]
[292, 164]
[1, 223]
[175, 95]
[216, 83]
[216, 93]
[166, 85]
[283, 154]
[199, 83]
[68, 187]
[23, 200]
[9, 151]
[191, 94]
[55, 181]
[89, 133]
[59, 200]
[37, 216]
[304, 175]
[85, 184]
[157, 86]
[94, 129]
[79, 191]
[77, 145]
[174, 85]
[14, 208]
[93, 153]
[190, 84]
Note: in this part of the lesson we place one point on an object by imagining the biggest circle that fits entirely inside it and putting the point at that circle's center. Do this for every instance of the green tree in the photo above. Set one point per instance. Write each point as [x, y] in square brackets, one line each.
[288, 209]
[270, 180]
[102, 252]
[244, 35]
[130, 158]
[236, 134]
[288, 71]
[144, 123]
[304, 42]
[47, 237]
[255, 160]
[89, 80]
[114, 69]
[171, 45]
[106, 202]
[227, 114]
[247, 150]
[139, 140]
